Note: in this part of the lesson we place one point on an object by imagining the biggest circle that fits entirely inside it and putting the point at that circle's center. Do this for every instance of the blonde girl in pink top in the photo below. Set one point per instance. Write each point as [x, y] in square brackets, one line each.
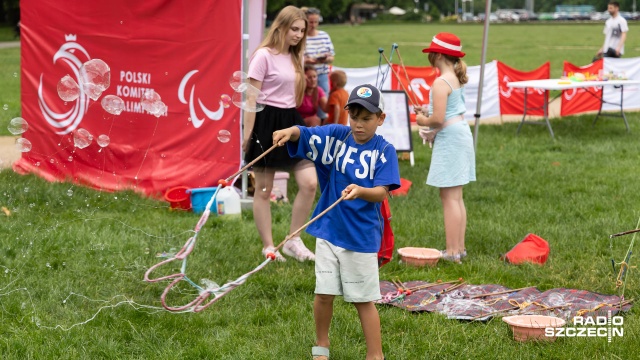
[276, 69]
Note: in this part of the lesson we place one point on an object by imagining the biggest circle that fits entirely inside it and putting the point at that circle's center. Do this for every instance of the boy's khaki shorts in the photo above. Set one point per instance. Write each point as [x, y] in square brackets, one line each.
[351, 274]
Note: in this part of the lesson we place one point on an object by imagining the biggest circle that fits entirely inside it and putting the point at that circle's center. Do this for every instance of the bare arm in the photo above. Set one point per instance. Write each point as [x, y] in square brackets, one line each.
[440, 91]
[250, 117]
[322, 103]
[374, 194]
[280, 137]
[336, 113]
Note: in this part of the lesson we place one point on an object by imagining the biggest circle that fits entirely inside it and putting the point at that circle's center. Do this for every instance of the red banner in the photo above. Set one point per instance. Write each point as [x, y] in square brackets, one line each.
[581, 100]
[511, 99]
[186, 51]
[420, 80]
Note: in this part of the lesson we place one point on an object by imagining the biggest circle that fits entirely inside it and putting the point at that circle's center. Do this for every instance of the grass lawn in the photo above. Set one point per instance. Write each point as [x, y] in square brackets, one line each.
[72, 259]
[7, 33]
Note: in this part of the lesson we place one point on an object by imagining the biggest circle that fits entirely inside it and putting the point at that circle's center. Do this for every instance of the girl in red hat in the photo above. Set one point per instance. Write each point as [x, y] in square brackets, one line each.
[453, 159]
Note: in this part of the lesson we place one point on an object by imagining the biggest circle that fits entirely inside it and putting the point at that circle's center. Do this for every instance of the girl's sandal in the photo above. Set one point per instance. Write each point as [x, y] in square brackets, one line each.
[452, 258]
[320, 353]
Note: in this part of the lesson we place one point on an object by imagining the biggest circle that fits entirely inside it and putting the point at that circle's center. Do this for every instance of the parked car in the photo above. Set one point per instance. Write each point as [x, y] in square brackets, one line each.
[525, 15]
[492, 17]
[562, 15]
[598, 16]
[626, 15]
[468, 17]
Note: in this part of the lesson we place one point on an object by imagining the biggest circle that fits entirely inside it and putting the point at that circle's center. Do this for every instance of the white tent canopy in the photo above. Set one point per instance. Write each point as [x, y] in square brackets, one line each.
[396, 11]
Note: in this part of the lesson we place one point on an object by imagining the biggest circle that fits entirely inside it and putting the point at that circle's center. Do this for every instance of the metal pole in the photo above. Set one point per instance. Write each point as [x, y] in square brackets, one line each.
[245, 67]
[483, 58]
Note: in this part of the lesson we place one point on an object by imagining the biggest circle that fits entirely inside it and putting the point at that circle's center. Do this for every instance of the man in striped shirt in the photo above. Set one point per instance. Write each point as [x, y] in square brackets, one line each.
[318, 51]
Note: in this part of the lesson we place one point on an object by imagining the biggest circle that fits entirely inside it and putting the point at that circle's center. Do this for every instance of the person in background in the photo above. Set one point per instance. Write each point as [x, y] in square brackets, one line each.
[615, 33]
[318, 52]
[276, 69]
[337, 99]
[453, 162]
[314, 98]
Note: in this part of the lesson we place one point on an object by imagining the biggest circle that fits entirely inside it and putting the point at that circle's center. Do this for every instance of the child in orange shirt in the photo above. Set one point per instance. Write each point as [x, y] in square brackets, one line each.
[337, 99]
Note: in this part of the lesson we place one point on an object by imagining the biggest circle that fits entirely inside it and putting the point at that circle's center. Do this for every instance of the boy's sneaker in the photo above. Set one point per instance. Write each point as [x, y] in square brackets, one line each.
[453, 258]
[270, 249]
[296, 249]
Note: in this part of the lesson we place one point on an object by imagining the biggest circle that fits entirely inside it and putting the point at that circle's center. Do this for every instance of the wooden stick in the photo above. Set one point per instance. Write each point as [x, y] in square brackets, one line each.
[498, 292]
[517, 307]
[401, 284]
[495, 312]
[549, 308]
[400, 82]
[626, 302]
[251, 163]
[452, 287]
[415, 97]
[624, 233]
[397, 284]
[426, 286]
[308, 223]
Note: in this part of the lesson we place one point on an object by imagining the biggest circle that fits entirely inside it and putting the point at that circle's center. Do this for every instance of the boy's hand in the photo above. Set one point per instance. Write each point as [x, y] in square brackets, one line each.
[351, 192]
[280, 137]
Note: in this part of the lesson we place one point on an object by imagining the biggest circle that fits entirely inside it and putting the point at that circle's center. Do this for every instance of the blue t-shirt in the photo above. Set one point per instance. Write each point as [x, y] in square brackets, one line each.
[354, 225]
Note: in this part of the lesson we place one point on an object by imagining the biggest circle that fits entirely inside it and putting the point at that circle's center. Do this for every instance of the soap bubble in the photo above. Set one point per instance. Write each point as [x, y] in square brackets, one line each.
[224, 136]
[250, 100]
[161, 109]
[152, 103]
[237, 79]
[5, 107]
[23, 145]
[226, 100]
[103, 140]
[96, 72]
[68, 88]
[82, 138]
[18, 126]
[112, 104]
[92, 90]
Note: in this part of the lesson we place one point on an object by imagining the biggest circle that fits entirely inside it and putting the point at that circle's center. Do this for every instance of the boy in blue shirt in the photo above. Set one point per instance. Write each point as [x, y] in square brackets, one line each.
[355, 162]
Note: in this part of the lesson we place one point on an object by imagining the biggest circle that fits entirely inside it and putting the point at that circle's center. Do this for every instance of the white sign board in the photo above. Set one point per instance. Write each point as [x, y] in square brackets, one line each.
[397, 125]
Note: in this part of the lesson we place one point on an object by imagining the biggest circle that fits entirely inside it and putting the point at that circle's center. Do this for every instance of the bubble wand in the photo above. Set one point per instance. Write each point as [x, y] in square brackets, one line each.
[621, 279]
[198, 304]
[406, 75]
[414, 104]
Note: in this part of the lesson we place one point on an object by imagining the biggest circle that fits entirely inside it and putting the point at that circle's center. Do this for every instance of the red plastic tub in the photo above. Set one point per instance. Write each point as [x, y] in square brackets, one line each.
[178, 198]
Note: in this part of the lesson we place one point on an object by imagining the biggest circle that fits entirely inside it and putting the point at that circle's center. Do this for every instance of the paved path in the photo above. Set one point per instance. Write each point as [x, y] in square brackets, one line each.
[9, 44]
[8, 151]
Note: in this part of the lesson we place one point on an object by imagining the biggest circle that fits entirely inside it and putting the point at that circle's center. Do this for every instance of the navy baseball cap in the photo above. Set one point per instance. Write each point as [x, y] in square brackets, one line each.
[368, 96]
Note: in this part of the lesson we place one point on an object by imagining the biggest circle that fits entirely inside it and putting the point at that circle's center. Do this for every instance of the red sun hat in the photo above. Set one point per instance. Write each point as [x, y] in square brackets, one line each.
[445, 43]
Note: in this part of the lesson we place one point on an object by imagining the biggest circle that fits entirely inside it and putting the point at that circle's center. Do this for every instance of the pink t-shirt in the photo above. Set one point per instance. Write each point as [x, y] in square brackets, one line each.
[307, 109]
[278, 76]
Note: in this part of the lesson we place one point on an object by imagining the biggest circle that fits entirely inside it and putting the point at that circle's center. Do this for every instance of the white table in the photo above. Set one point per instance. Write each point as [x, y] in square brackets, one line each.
[558, 84]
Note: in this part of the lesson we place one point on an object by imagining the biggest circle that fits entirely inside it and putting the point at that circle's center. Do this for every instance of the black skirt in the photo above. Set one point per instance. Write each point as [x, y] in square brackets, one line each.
[267, 121]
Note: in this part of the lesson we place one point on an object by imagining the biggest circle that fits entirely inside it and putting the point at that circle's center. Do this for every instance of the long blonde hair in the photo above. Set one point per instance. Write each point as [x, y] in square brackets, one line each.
[275, 40]
[459, 66]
